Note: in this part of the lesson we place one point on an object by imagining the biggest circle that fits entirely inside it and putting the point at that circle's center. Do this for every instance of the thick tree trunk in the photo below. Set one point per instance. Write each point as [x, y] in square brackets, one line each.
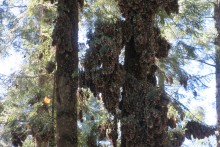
[140, 127]
[65, 37]
[113, 135]
[217, 19]
[144, 108]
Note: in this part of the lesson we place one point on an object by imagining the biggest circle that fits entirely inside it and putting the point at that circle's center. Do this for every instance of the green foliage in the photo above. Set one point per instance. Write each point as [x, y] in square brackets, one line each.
[175, 138]
[190, 33]
[197, 114]
[99, 11]
[94, 117]
[23, 102]
[28, 142]
[187, 31]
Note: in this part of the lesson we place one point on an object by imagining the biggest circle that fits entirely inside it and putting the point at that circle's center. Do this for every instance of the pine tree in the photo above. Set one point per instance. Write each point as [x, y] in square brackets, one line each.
[105, 49]
[107, 73]
[144, 107]
[34, 82]
[65, 38]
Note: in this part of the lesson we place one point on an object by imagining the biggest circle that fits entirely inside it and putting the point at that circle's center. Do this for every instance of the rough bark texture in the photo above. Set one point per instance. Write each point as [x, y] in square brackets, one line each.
[103, 72]
[65, 37]
[217, 19]
[144, 108]
[113, 135]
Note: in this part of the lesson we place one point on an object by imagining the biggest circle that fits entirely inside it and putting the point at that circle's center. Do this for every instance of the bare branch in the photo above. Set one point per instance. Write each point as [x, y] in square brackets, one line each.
[201, 61]
[206, 63]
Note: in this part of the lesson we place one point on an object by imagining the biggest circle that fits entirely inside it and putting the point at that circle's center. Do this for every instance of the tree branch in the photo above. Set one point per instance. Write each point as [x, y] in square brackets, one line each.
[201, 61]
[13, 6]
[206, 63]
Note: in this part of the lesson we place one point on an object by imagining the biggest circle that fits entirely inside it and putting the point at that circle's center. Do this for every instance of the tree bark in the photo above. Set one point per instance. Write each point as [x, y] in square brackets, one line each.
[144, 108]
[217, 67]
[65, 38]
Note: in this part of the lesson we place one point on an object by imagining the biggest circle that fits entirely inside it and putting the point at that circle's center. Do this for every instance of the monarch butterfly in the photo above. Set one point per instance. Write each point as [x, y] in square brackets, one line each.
[47, 100]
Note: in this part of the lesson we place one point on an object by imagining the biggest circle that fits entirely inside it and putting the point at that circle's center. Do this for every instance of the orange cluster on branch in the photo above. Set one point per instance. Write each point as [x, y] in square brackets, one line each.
[198, 130]
[47, 100]
[103, 72]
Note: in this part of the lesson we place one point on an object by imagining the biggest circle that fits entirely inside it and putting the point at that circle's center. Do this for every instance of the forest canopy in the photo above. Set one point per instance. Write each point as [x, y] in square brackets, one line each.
[110, 73]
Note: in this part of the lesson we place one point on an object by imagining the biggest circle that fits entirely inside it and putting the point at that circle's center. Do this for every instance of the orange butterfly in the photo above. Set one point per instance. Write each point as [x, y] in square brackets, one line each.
[47, 100]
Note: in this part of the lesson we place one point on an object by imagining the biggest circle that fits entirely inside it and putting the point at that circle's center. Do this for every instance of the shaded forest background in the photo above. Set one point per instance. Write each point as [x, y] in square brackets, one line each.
[109, 73]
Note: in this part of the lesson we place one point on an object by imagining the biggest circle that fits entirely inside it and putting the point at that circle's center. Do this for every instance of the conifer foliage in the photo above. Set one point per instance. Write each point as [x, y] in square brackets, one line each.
[120, 67]
[135, 81]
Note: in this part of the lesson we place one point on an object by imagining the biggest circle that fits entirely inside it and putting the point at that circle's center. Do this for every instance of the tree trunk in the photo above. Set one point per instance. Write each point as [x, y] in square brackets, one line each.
[143, 124]
[113, 135]
[144, 108]
[65, 37]
[217, 62]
